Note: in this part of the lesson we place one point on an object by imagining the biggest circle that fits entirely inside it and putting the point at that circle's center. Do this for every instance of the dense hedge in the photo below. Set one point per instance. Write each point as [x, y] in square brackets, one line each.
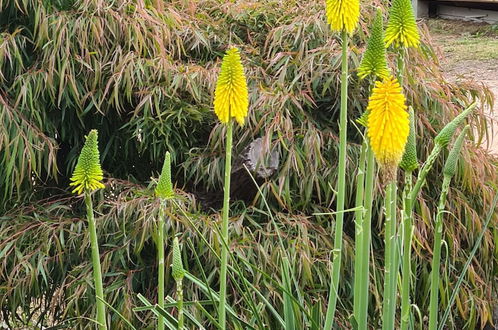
[143, 74]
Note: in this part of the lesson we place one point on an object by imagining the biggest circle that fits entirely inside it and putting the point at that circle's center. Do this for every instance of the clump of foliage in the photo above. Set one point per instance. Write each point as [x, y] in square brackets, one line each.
[144, 74]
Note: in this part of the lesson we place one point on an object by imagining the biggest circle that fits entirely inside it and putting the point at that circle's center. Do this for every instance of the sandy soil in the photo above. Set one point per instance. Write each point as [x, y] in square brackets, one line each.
[485, 72]
[470, 53]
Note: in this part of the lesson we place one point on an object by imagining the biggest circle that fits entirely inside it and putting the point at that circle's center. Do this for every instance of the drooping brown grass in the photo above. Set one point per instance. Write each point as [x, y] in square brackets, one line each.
[144, 73]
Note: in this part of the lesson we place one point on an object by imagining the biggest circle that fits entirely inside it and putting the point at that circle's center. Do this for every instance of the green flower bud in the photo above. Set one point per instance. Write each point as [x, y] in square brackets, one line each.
[409, 162]
[451, 163]
[88, 173]
[374, 60]
[444, 137]
[178, 271]
[164, 187]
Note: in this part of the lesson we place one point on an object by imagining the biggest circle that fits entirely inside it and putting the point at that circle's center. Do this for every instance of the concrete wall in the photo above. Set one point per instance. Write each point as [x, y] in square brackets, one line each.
[470, 14]
[483, 12]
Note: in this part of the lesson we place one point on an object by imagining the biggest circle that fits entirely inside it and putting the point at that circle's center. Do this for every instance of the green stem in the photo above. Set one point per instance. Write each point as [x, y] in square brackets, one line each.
[341, 185]
[224, 228]
[407, 244]
[160, 256]
[390, 258]
[436, 257]
[97, 272]
[422, 175]
[365, 248]
[179, 303]
[359, 233]
[401, 66]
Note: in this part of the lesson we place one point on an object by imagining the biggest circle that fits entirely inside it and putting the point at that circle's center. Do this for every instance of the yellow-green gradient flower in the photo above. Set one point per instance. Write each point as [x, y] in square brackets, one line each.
[231, 98]
[374, 61]
[388, 123]
[88, 173]
[402, 28]
[343, 14]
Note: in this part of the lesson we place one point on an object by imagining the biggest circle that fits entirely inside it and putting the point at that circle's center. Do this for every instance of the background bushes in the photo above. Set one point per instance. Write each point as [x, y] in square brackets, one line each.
[143, 74]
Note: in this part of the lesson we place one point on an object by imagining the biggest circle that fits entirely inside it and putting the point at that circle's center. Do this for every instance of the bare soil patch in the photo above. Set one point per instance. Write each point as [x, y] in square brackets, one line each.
[470, 53]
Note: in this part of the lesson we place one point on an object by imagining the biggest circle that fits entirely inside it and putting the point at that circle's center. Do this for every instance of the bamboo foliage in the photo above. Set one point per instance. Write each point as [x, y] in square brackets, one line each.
[145, 76]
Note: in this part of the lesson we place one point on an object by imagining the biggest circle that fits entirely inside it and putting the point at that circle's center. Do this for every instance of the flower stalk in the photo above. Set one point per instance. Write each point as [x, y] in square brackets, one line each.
[87, 177]
[341, 188]
[407, 243]
[409, 163]
[448, 173]
[97, 272]
[160, 270]
[224, 227]
[363, 287]
[231, 100]
[374, 65]
[164, 191]
[389, 298]
[342, 16]
[359, 232]
[388, 129]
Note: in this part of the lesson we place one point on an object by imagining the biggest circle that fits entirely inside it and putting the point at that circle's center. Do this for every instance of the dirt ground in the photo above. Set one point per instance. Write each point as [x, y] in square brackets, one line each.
[470, 51]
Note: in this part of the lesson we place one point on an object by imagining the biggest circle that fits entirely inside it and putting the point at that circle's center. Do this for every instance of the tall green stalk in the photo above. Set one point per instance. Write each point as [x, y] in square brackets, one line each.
[363, 290]
[407, 244]
[341, 187]
[359, 230]
[448, 173]
[97, 272]
[160, 271]
[224, 226]
[436, 257]
[401, 66]
[422, 174]
[179, 304]
[389, 299]
[164, 191]
[409, 163]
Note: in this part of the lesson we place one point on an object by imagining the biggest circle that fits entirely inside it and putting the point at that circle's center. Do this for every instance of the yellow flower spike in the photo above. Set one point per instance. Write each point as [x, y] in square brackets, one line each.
[402, 28]
[88, 173]
[343, 14]
[388, 123]
[231, 98]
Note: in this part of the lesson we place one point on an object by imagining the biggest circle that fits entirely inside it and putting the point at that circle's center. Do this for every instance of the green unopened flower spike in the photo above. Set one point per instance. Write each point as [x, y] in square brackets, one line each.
[87, 175]
[454, 155]
[178, 273]
[177, 267]
[444, 137]
[402, 28]
[374, 61]
[164, 187]
[409, 162]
